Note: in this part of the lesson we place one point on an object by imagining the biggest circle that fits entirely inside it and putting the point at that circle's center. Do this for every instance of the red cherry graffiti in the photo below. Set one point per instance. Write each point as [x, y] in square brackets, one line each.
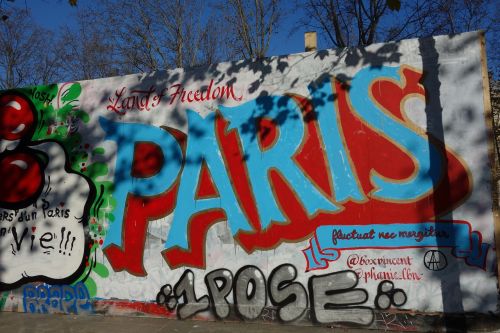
[21, 170]
[16, 117]
[23, 177]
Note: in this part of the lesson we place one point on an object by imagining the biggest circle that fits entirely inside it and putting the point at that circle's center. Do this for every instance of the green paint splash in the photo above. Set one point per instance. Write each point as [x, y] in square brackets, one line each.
[3, 299]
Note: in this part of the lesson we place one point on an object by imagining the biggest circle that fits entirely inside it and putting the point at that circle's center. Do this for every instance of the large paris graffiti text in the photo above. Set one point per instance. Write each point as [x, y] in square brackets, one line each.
[282, 168]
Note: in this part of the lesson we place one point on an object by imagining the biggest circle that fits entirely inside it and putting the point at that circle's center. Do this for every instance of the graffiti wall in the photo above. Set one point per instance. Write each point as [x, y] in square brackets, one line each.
[327, 187]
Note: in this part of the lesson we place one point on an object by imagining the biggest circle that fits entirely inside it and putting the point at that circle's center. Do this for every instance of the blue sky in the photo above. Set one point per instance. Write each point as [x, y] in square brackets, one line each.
[56, 13]
[289, 39]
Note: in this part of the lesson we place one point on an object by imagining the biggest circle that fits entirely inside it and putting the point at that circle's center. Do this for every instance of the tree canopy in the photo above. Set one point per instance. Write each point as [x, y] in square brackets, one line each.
[116, 37]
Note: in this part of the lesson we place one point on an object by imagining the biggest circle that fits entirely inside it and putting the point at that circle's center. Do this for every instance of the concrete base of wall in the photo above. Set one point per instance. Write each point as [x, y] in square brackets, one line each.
[122, 316]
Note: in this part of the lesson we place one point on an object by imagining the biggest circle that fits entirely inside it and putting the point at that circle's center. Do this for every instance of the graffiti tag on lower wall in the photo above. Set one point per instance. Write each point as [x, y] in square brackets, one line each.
[332, 298]
[56, 299]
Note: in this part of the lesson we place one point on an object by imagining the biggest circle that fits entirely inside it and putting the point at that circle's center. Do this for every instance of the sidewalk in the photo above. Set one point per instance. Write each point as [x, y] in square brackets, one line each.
[14, 322]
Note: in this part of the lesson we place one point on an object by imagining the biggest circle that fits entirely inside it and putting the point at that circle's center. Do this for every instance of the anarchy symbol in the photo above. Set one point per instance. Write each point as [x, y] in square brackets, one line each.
[435, 260]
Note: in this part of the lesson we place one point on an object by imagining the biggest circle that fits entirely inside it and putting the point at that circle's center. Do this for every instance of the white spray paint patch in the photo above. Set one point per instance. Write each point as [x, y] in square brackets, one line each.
[46, 239]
